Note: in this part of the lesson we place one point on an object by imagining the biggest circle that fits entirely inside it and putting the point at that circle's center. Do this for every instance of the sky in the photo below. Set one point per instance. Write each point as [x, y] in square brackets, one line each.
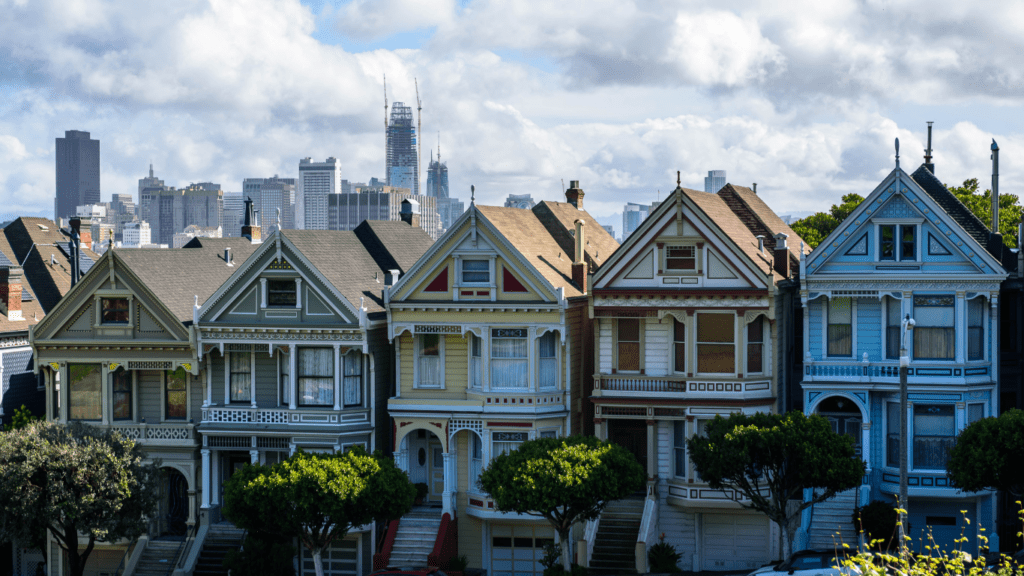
[803, 97]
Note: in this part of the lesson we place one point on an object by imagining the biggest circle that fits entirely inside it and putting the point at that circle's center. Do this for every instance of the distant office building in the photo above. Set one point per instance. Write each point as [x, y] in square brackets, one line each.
[715, 181]
[524, 201]
[231, 218]
[136, 235]
[317, 180]
[347, 211]
[402, 164]
[102, 236]
[150, 181]
[270, 195]
[437, 187]
[171, 210]
[78, 173]
[632, 215]
[350, 187]
[91, 211]
[609, 228]
[193, 231]
[449, 209]
[121, 210]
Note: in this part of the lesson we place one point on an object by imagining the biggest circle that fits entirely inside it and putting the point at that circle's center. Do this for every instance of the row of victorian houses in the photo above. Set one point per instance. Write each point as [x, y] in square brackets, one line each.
[520, 324]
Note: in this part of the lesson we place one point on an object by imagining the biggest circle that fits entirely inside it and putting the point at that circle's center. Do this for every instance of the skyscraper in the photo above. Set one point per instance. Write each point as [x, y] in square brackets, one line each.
[78, 173]
[437, 187]
[715, 181]
[402, 167]
[632, 215]
[316, 181]
[270, 195]
[231, 217]
[347, 211]
[172, 210]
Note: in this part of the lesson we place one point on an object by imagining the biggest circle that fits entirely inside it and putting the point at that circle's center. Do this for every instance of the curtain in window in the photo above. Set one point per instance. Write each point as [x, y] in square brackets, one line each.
[628, 333]
[755, 346]
[353, 376]
[241, 376]
[476, 365]
[503, 447]
[975, 329]
[934, 435]
[934, 335]
[716, 351]
[122, 384]
[84, 388]
[893, 332]
[177, 404]
[975, 412]
[840, 327]
[509, 365]
[430, 360]
[892, 425]
[548, 361]
[316, 376]
[679, 447]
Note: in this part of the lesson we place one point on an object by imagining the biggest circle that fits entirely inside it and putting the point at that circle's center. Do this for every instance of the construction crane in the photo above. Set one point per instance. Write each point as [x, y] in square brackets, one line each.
[419, 134]
[385, 128]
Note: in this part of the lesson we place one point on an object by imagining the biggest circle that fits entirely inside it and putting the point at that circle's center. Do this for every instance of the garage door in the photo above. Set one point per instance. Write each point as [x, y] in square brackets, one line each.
[517, 550]
[734, 541]
[341, 559]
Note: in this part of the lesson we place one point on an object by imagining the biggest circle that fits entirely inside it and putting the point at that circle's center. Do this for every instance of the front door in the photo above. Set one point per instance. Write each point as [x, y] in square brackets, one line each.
[174, 503]
[233, 462]
[848, 424]
[631, 435]
[436, 471]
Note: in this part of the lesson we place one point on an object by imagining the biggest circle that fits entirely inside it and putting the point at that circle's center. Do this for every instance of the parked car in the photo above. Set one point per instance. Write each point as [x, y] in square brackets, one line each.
[807, 563]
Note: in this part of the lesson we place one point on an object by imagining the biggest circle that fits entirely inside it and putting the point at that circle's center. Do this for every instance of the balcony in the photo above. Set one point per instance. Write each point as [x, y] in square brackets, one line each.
[888, 372]
[627, 385]
[158, 434]
[299, 416]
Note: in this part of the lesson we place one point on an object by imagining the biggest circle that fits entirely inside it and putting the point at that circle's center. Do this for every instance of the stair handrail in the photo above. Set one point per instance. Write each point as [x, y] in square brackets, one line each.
[191, 556]
[590, 536]
[127, 552]
[648, 533]
[446, 545]
[184, 547]
[381, 559]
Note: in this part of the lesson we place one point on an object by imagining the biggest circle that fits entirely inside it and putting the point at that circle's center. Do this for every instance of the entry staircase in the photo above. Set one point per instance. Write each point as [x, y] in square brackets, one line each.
[832, 522]
[615, 544]
[414, 541]
[157, 558]
[221, 538]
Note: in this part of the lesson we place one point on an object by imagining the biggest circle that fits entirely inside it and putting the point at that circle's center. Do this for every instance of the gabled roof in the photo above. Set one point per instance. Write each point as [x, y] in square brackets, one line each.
[344, 262]
[560, 220]
[177, 276]
[31, 310]
[716, 208]
[39, 246]
[761, 219]
[393, 244]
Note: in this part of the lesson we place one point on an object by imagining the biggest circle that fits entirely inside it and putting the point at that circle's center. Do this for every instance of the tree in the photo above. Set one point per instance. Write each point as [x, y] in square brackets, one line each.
[564, 481]
[980, 203]
[816, 227]
[74, 480]
[988, 453]
[22, 418]
[769, 459]
[317, 498]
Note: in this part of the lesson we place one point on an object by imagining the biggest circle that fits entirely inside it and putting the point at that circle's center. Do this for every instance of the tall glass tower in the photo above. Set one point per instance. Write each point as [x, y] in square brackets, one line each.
[403, 159]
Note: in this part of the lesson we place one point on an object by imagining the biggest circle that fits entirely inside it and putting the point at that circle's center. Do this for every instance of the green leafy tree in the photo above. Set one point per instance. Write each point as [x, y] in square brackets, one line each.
[563, 480]
[74, 481]
[988, 455]
[816, 227]
[22, 417]
[769, 459]
[317, 498]
[980, 203]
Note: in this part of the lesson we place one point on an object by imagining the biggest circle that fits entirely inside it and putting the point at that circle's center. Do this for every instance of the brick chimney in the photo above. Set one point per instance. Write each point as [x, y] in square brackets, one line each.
[410, 212]
[10, 291]
[579, 262]
[574, 195]
[84, 228]
[781, 254]
[250, 226]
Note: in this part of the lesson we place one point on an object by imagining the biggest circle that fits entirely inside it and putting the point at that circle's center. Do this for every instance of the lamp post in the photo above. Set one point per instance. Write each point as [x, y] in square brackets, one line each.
[907, 324]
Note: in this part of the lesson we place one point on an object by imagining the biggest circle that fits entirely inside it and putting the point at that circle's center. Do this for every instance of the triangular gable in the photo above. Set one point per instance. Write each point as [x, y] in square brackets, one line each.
[470, 235]
[78, 316]
[239, 298]
[898, 197]
[644, 268]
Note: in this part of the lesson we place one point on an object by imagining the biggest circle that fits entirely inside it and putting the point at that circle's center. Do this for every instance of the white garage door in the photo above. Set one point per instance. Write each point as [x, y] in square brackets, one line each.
[734, 541]
[341, 559]
[517, 550]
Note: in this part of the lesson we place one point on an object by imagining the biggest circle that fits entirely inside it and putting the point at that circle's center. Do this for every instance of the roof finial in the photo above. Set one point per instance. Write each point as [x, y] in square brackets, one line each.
[897, 152]
[472, 194]
[679, 179]
[278, 217]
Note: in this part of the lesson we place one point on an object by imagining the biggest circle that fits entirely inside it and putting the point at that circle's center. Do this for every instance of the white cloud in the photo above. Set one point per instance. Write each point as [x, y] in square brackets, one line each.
[374, 19]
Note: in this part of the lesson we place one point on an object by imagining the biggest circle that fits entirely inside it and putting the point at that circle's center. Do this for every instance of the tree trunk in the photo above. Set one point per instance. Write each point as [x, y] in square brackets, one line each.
[317, 562]
[566, 546]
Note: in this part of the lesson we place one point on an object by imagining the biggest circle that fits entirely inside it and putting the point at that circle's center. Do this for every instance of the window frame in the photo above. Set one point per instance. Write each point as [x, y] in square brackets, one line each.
[231, 376]
[677, 344]
[666, 270]
[761, 345]
[165, 412]
[284, 379]
[299, 376]
[476, 462]
[826, 316]
[679, 438]
[475, 352]
[271, 292]
[899, 229]
[488, 265]
[553, 336]
[524, 360]
[698, 343]
[98, 392]
[105, 309]
[891, 339]
[130, 393]
[912, 425]
[980, 328]
[920, 328]
[418, 354]
[641, 329]
[357, 359]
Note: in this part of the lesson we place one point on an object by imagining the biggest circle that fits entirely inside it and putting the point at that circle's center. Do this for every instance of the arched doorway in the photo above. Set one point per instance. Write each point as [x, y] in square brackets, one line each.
[845, 417]
[173, 503]
[426, 463]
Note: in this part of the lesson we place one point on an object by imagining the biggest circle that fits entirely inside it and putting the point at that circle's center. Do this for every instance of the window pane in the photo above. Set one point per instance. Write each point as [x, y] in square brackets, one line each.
[353, 381]
[286, 386]
[547, 345]
[888, 243]
[680, 258]
[84, 388]
[892, 424]
[509, 366]
[281, 293]
[755, 330]
[629, 329]
[715, 328]
[679, 434]
[975, 329]
[316, 376]
[177, 405]
[975, 412]
[907, 251]
[548, 375]
[476, 271]
[476, 377]
[115, 310]
[840, 327]
[934, 435]
[755, 358]
[716, 358]
[241, 376]
[934, 343]
[629, 355]
[122, 385]
[430, 344]
[893, 317]
[679, 346]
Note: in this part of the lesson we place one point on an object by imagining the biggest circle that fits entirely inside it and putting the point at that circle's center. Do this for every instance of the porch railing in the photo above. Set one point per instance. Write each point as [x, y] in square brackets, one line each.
[247, 415]
[643, 383]
[648, 534]
[156, 432]
[888, 371]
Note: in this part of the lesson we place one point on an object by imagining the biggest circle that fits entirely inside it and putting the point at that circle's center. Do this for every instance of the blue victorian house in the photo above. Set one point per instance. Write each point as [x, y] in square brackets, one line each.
[910, 248]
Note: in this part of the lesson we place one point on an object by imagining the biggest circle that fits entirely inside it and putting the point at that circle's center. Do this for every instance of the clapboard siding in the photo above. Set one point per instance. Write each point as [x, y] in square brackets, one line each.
[408, 353]
[266, 379]
[869, 328]
[151, 394]
[814, 336]
[656, 356]
[680, 529]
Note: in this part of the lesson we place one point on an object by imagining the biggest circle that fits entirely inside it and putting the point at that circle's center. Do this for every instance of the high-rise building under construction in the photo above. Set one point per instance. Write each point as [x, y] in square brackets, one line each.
[403, 163]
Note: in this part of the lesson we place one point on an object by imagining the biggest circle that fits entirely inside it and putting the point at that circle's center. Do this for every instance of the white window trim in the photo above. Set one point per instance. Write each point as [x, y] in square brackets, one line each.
[469, 362]
[765, 339]
[686, 345]
[363, 368]
[489, 258]
[416, 363]
[697, 259]
[915, 222]
[532, 353]
[163, 397]
[853, 329]
[739, 357]
[558, 361]
[985, 316]
[686, 453]
[615, 346]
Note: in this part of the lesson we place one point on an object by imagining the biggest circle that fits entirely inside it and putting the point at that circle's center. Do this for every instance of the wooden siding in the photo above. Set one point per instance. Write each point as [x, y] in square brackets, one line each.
[656, 346]
[151, 394]
[869, 328]
[605, 345]
[266, 378]
[408, 355]
[815, 309]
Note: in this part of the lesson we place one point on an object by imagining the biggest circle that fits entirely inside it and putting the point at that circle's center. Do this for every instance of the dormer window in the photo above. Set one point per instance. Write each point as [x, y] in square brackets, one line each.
[476, 272]
[115, 310]
[680, 258]
[898, 242]
[281, 293]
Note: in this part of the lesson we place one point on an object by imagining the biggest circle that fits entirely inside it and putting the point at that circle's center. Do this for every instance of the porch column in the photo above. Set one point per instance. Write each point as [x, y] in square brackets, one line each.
[254, 456]
[402, 460]
[960, 323]
[298, 293]
[106, 394]
[207, 473]
[337, 376]
[293, 352]
[599, 431]
[215, 479]
[865, 443]
[192, 516]
[449, 484]
[652, 452]
[209, 382]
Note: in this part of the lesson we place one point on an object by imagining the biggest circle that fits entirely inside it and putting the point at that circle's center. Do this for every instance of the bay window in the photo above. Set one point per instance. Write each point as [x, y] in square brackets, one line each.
[934, 435]
[352, 374]
[176, 394]
[241, 376]
[428, 360]
[627, 332]
[976, 329]
[840, 327]
[509, 363]
[716, 343]
[84, 391]
[316, 376]
[121, 381]
[548, 362]
[755, 346]
[934, 335]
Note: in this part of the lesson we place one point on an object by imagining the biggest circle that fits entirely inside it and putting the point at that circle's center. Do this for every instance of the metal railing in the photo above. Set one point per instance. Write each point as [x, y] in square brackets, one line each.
[127, 553]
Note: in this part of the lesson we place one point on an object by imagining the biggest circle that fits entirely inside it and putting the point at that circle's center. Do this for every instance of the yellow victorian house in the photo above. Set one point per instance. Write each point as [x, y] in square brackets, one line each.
[480, 332]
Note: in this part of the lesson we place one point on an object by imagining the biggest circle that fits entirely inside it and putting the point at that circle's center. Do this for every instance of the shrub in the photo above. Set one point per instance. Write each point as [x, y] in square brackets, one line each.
[878, 522]
[663, 558]
[421, 490]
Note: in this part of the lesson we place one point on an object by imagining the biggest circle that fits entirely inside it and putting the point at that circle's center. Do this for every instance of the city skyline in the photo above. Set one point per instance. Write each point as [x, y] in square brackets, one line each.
[807, 104]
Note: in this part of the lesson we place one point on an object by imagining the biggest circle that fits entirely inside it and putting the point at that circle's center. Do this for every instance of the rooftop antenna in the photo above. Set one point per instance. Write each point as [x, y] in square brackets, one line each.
[928, 151]
[419, 134]
[438, 146]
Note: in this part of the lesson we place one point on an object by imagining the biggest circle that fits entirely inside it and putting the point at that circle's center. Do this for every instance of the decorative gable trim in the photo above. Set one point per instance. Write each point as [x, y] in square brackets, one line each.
[644, 268]
[935, 247]
[860, 247]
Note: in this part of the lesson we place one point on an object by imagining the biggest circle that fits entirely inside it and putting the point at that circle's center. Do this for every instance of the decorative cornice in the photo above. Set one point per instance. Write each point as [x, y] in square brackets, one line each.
[14, 341]
[663, 302]
[902, 285]
[304, 335]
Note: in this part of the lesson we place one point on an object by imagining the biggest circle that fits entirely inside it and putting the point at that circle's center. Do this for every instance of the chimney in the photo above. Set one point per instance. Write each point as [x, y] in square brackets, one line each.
[227, 256]
[928, 152]
[760, 243]
[84, 228]
[250, 227]
[391, 277]
[411, 212]
[579, 262]
[10, 291]
[574, 195]
[781, 255]
[755, 188]
[995, 239]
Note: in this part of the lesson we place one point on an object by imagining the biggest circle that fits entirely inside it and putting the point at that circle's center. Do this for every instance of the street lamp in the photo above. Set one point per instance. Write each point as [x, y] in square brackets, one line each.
[907, 324]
